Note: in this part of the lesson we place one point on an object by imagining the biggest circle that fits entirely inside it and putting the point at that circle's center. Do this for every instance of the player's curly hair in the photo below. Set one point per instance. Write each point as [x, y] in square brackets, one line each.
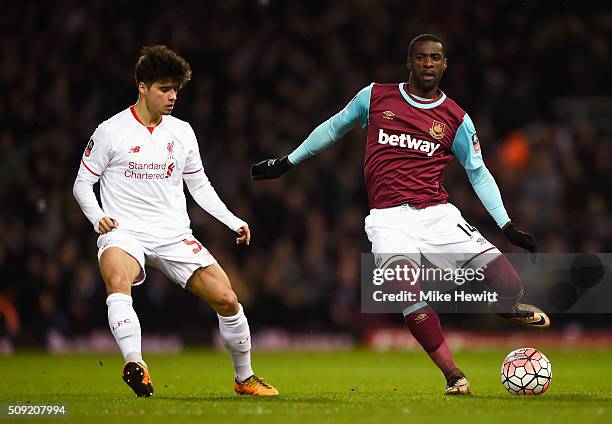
[426, 37]
[159, 63]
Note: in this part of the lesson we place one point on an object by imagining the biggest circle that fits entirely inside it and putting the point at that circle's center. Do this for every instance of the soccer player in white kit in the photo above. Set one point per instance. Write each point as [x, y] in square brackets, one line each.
[141, 156]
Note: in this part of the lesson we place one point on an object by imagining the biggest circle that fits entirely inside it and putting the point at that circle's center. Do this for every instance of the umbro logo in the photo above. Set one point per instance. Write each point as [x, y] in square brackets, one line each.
[387, 114]
[135, 149]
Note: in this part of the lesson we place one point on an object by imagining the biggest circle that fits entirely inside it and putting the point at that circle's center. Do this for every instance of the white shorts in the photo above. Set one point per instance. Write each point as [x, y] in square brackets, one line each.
[439, 233]
[178, 260]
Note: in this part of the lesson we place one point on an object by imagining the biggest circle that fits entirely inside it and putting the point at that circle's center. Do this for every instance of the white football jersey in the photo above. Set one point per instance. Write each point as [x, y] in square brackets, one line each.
[141, 171]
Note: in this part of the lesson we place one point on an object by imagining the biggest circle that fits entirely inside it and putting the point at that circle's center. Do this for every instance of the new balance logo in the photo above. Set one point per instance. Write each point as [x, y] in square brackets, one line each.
[404, 140]
[135, 149]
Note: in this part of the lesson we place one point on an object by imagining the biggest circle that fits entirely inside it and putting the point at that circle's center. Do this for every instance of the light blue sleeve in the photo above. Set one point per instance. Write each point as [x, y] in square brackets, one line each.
[466, 149]
[330, 131]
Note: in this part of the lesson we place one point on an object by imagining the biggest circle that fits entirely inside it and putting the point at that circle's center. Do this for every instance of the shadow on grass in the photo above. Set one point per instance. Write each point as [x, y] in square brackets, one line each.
[230, 398]
[338, 398]
[547, 397]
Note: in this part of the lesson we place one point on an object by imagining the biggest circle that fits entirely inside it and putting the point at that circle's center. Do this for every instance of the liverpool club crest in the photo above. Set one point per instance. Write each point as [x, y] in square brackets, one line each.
[170, 148]
[437, 130]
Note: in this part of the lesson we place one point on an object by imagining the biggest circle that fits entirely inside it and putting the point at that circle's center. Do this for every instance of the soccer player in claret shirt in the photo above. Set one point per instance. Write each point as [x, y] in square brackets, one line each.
[414, 130]
[142, 156]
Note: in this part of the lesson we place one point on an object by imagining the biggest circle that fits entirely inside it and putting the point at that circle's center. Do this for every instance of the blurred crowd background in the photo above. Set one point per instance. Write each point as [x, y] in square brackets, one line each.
[531, 74]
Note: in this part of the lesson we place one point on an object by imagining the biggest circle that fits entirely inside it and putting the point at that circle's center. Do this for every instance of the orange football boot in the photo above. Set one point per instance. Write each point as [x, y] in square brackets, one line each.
[136, 375]
[255, 386]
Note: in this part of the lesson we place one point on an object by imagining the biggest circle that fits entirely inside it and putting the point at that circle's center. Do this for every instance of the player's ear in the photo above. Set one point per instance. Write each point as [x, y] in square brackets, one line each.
[142, 87]
[445, 64]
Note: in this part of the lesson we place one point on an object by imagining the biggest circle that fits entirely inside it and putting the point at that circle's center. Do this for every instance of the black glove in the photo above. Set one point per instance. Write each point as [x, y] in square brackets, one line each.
[521, 239]
[270, 168]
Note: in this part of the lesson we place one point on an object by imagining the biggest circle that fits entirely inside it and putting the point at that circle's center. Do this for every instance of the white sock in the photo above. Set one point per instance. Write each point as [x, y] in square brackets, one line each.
[124, 325]
[236, 337]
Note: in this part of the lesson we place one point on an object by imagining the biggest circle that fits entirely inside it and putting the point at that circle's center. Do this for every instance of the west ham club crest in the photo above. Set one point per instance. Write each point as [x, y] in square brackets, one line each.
[437, 130]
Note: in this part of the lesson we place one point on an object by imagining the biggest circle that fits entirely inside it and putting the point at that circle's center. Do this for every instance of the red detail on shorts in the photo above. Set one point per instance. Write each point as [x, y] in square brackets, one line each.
[192, 172]
[192, 242]
[138, 119]
[89, 169]
[477, 255]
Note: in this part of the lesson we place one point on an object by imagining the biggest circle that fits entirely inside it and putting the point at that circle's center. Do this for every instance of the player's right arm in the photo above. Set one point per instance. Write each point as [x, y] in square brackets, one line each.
[323, 136]
[94, 161]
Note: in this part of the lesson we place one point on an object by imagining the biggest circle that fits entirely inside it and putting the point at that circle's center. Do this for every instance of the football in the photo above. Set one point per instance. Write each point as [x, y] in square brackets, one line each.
[526, 371]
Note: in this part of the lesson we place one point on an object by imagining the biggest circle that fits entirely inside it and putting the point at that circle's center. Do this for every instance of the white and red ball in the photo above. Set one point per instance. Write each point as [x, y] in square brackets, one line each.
[526, 371]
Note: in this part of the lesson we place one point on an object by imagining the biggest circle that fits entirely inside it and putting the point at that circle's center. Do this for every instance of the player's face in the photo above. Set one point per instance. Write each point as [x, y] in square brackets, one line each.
[160, 96]
[427, 65]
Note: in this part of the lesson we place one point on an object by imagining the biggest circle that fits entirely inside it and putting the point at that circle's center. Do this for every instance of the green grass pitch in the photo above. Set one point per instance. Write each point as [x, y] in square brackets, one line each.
[352, 387]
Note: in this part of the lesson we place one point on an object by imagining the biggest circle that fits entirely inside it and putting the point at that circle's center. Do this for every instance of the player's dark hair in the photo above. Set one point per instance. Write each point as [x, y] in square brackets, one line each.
[426, 37]
[159, 63]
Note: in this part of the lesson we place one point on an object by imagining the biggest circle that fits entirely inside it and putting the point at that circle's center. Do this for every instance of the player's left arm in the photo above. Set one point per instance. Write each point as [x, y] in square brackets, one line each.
[466, 149]
[206, 197]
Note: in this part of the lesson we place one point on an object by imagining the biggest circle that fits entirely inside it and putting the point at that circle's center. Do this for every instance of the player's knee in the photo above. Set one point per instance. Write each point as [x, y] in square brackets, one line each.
[118, 283]
[402, 276]
[226, 303]
[501, 276]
